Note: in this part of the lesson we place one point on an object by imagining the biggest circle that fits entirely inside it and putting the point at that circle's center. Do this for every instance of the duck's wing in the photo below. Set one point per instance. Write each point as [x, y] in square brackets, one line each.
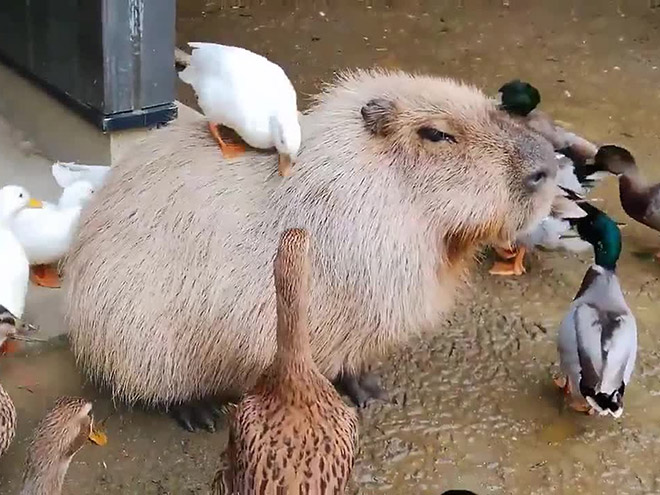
[652, 215]
[619, 345]
[588, 332]
[66, 173]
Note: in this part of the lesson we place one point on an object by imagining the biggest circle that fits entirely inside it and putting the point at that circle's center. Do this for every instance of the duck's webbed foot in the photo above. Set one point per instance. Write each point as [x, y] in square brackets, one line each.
[197, 415]
[361, 389]
[45, 276]
[229, 150]
[510, 267]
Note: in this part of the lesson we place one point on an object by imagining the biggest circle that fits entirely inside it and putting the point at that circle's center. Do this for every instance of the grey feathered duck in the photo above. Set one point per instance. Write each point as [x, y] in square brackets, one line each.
[597, 339]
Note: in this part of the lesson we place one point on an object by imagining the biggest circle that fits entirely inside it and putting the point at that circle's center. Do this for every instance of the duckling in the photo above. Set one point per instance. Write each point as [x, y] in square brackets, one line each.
[58, 437]
[46, 233]
[249, 94]
[14, 265]
[292, 433]
[597, 339]
[549, 233]
[639, 200]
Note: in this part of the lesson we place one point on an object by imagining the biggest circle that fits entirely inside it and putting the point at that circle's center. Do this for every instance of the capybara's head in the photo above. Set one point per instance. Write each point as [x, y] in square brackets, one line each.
[478, 175]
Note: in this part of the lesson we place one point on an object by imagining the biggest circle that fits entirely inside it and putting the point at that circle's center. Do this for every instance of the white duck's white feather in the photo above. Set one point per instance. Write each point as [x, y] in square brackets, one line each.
[597, 339]
[243, 91]
[66, 173]
[46, 233]
[14, 266]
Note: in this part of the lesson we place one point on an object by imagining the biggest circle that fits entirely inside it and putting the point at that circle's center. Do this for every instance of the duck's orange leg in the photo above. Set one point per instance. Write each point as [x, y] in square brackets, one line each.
[657, 256]
[510, 267]
[229, 150]
[45, 276]
[576, 403]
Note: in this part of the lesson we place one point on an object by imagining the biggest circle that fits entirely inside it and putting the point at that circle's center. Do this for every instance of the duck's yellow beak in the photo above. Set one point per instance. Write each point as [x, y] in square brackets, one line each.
[98, 437]
[35, 203]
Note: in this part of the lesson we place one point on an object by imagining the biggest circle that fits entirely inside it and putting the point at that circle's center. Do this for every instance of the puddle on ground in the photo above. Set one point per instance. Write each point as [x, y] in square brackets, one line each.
[473, 405]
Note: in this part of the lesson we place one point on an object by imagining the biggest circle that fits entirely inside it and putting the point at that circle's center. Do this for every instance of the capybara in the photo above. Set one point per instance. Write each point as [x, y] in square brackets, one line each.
[400, 180]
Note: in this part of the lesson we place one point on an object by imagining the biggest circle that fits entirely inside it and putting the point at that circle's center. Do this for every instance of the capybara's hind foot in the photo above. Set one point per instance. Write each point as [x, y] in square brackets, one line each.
[360, 388]
[197, 415]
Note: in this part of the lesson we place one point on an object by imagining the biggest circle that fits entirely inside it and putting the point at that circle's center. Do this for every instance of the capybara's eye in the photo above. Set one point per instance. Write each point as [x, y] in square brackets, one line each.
[433, 134]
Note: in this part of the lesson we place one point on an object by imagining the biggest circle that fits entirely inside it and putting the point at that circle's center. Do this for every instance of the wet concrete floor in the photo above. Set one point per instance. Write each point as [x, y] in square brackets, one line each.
[472, 404]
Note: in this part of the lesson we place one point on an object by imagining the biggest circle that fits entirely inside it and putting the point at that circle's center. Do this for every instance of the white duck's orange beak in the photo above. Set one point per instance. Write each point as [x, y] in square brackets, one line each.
[35, 203]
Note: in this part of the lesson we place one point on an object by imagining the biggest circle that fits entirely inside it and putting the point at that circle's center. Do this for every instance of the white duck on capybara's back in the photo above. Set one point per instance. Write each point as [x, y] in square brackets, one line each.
[399, 179]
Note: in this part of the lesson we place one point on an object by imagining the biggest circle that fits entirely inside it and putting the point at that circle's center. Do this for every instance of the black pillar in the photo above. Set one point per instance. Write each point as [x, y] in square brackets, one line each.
[112, 61]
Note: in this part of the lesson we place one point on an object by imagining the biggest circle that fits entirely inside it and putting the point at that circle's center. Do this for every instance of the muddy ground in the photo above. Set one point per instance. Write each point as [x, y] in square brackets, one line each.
[472, 405]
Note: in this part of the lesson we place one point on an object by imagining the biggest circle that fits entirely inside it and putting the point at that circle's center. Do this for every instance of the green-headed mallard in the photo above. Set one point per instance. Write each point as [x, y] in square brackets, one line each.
[639, 200]
[575, 174]
[292, 433]
[597, 340]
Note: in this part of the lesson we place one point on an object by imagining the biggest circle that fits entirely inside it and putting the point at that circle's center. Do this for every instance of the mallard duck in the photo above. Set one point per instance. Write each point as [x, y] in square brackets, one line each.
[62, 432]
[249, 94]
[598, 337]
[575, 173]
[520, 99]
[14, 265]
[639, 200]
[292, 433]
[548, 233]
[66, 173]
[46, 233]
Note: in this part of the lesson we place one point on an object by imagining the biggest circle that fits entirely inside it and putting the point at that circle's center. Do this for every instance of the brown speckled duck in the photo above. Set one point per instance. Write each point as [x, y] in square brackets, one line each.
[639, 200]
[9, 328]
[292, 433]
[58, 437]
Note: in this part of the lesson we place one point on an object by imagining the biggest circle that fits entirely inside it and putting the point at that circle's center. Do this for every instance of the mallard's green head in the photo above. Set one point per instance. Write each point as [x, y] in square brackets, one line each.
[614, 159]
[602, 233]
[519, 97]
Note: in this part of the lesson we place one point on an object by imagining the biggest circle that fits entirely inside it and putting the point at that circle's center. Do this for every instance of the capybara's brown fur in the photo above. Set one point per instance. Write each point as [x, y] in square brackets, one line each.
[169, 294]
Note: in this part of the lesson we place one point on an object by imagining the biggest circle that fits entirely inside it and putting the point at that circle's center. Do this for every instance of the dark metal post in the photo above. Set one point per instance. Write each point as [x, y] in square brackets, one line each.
[110, 60]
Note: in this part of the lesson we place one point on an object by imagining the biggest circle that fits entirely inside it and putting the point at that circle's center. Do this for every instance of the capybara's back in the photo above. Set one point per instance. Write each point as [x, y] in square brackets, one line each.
[399, 180]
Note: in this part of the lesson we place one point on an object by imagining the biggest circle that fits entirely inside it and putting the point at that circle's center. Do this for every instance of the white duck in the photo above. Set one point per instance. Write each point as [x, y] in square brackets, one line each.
[47, 233]
[14, 267]
[249, 94]
[597, 340]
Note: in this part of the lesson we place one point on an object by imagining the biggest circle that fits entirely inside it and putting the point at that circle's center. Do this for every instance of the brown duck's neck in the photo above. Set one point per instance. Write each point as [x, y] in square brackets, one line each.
[45, 480]
[632, 192]
[293, 348]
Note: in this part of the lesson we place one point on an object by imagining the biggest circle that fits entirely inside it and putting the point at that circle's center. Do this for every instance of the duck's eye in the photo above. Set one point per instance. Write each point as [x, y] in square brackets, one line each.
[434, 135]
[20, 195]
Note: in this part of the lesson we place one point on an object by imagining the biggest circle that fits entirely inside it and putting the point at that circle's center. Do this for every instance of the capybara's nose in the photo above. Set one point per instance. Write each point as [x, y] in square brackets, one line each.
[540, 175]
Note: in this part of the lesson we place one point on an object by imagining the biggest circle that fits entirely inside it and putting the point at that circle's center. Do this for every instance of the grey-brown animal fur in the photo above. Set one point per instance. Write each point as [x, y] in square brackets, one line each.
[169, 294]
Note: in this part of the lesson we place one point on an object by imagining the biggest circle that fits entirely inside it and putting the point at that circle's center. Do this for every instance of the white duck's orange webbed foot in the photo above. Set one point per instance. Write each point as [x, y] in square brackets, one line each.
[45, 276]
[229, 150]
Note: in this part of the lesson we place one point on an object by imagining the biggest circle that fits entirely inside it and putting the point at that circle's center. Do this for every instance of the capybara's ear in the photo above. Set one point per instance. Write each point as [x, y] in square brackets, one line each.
[378, 115]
